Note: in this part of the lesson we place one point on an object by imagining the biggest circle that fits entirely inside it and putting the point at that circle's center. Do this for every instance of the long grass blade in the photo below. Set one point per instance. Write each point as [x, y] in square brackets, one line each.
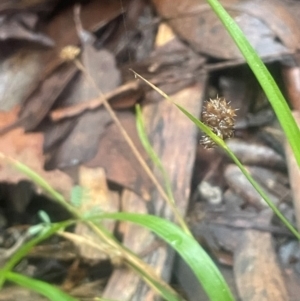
[201, 264]
[40, 182]
[257, 187]
[24, 250]
[264, 77]
[49, 291]
[135, 263]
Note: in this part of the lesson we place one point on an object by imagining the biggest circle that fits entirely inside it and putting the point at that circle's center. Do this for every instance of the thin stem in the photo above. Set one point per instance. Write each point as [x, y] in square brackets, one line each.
[262, 193]
[134, 149]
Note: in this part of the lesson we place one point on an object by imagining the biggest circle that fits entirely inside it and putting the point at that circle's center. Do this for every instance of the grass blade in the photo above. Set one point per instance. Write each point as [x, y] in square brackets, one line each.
[36, 178]
[140, 267]
[49, 291]
[24, 250]
[201, 264]
[257, 187]
[40, 182]
[202, 126]
[264, 77]
[262, 193]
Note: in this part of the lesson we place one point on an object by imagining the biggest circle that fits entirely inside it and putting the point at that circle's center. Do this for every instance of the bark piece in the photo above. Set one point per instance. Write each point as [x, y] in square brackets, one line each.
[257, 273]
[291, 77]
[174, 138]
[96, 196]
[239, 183]
[256, 154]
[135, 238]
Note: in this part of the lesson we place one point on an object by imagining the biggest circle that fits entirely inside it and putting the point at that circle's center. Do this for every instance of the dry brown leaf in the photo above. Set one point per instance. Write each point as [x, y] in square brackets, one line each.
[39, 102]
[171, 67]
[94, 16]
[18, 72]
[22, 27]
[118, 160]
[53, 78]
[35, 5]
[271, 26]
[27, 148]
[82, 142]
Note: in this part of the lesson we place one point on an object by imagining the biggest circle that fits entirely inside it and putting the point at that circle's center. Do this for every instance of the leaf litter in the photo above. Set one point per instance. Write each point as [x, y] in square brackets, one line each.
[62, 114]
[28, 149]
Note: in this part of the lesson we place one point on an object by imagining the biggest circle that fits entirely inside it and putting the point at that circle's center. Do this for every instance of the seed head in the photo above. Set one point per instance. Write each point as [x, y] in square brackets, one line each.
[218, 115]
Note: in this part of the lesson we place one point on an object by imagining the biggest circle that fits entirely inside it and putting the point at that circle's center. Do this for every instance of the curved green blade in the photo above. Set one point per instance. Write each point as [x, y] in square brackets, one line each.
[189, 249]
[264, 77]
[49, 291]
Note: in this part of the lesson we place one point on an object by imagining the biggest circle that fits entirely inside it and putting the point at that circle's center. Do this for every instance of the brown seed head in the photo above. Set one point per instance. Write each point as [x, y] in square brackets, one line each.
[218, 115]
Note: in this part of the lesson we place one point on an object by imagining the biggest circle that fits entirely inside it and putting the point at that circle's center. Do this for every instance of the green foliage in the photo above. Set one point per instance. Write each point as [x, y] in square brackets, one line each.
[189, 249]
[257, 187]
[77, 194]
[264, 77]
[43, 288]
[44, 233]
[45, 218]
[193, 254]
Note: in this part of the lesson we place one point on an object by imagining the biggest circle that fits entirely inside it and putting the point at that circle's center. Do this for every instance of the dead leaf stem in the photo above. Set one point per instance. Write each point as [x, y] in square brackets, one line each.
[134, 149]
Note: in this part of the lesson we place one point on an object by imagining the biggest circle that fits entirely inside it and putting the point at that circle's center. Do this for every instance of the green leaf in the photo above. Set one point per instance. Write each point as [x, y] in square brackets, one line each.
[264, 77]
[202, 126]
[77, 195]
[140, 267]
[43, 215]
[42, 288]
[204, 268]
[256, 186]
[261, 192]
[44, 233]
[41, 182]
